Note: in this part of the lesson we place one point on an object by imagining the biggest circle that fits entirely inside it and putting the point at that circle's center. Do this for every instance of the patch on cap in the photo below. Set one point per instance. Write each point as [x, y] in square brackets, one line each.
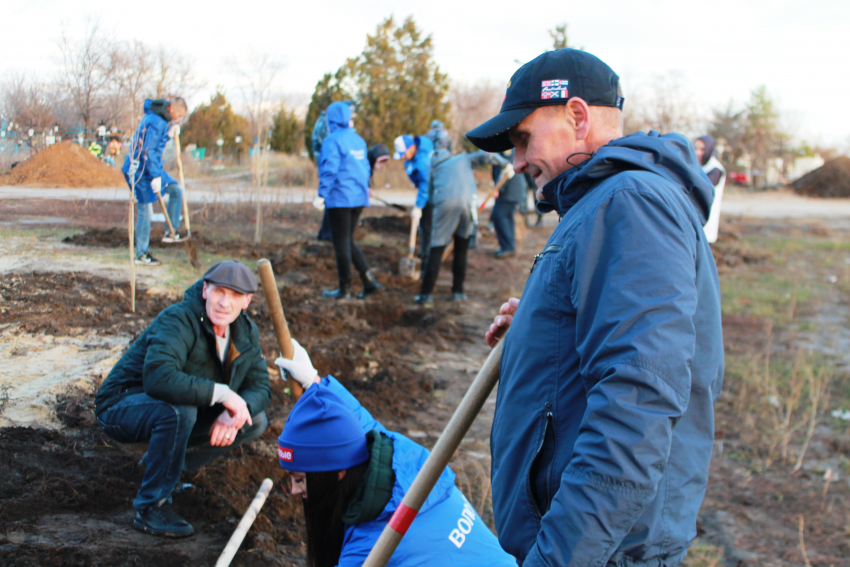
[285, 454]
[554, 88]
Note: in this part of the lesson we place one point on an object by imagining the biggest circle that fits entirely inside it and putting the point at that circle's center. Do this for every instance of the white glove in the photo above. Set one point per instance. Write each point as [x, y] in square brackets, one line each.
[319, 203]
[156, 184]
[508, 171]
[299, 367]
[416, 214]
[174, 131]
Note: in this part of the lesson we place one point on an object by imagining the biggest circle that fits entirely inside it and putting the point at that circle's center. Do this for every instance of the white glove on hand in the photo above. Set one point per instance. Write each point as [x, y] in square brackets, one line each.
[174, 131]
[416, 214]
[508, 171]
[299, 367]
[319, 203]
[156, 184]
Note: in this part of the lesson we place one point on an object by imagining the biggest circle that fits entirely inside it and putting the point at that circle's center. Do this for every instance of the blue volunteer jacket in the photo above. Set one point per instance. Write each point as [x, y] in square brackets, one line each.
[604, 419]
[343, 165]
[418, 169]
[149, 140]
[446, 531]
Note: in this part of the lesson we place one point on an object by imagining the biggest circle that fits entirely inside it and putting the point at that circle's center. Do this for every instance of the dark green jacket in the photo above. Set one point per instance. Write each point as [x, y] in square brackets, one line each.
[175, 360]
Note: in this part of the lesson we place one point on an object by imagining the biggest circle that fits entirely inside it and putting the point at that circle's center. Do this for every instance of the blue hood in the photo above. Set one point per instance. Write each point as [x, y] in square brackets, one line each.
[671, 156]
[339, 115]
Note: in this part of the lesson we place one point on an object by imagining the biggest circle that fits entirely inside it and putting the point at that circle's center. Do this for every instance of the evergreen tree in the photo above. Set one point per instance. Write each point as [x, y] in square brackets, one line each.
[217, 120]
[287, 132]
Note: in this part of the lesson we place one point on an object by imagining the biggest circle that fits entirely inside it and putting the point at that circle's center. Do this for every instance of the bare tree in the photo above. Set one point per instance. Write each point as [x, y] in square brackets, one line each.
[27, 102]
[670, 106]
[135, 73]
[88, 71]
[172, 74]
[472, 104]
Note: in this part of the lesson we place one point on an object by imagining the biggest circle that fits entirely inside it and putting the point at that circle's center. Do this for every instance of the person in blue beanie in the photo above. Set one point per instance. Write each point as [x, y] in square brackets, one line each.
[416, 152]
[144, 172]
[352, 474]
[344, 185]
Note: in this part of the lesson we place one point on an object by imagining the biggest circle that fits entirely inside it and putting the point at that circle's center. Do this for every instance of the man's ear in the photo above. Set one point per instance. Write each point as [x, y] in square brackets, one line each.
[247, 302]
[204, 291]
[578, 117]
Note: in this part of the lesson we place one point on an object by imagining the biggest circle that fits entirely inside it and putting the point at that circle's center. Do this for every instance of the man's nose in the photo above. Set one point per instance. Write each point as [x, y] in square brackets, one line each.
[519, 161]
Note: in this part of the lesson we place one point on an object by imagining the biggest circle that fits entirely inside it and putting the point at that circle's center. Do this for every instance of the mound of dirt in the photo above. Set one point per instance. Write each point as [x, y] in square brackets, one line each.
[832, 179]
[64, 165]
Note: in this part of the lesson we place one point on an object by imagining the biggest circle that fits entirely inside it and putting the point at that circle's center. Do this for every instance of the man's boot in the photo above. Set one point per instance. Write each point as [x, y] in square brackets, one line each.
[161, 520]
[342, 292]
[370, 284]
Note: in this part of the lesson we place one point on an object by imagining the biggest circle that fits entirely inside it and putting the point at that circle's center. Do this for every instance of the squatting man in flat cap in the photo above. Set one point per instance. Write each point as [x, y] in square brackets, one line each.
[604, 422]
[193, 386]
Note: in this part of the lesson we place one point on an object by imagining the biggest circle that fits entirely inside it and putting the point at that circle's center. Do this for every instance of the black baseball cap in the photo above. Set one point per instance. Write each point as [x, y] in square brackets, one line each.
[548, 80]
[233, 275]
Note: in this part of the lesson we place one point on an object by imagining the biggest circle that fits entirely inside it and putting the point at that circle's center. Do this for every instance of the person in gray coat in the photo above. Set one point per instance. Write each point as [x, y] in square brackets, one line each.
[453, 192]
[513, 193]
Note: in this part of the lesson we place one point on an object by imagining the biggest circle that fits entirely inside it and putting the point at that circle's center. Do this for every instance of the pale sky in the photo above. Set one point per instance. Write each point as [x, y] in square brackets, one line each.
[723, 49]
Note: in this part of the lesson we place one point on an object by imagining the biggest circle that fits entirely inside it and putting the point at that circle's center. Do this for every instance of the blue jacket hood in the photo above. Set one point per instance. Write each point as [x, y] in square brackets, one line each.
[339, 115]
[670, 156]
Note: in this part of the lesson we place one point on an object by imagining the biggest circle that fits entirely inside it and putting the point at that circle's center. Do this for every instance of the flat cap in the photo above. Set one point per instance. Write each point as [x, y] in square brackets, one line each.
[233, 275]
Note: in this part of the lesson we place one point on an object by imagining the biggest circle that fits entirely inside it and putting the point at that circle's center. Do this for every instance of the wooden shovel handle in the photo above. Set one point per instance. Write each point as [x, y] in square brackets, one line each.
[165, 212]
[186, 220]
[281, 329]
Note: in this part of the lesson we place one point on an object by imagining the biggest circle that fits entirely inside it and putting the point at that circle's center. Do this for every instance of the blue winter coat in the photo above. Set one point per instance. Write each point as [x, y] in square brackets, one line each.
[149, 140]
[446, 531]
[604, 419]
[343, 165]
[418, 169]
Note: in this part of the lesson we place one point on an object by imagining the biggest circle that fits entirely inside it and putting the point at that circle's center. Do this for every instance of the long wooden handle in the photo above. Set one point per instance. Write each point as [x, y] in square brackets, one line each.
[439, 458]
[412, 244]
[281, 329]
[183, 185]
[495, 192]
[165, 212]
[244, 525]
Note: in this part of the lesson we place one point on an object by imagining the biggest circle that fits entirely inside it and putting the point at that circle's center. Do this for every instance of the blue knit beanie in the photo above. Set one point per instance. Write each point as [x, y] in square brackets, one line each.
[321, 434]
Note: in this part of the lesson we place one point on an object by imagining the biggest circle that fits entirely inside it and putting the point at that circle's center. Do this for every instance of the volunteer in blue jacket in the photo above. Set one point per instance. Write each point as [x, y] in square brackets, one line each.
[604, 420]
[416, 153]
[344, 185]
[352, 474]
[145, 165]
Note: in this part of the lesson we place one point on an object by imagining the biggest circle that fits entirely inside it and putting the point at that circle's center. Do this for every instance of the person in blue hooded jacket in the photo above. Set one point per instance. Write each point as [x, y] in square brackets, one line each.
[352, 474]
[416, 152]
[144, 172]
[604, 420]
[344, 185]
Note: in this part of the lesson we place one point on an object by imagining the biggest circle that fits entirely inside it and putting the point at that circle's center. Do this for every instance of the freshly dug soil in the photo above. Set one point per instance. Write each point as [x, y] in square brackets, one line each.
[832, 179]
[64, 165]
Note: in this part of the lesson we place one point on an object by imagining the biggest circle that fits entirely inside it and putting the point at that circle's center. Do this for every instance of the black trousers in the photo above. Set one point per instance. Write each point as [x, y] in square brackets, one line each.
[426, 225]
[343, 222]
[432, 270]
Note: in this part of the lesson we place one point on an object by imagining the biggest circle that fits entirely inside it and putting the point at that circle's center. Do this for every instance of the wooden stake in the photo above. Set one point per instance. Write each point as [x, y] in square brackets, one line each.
[244, 525]
[131, 231]
[183, 185]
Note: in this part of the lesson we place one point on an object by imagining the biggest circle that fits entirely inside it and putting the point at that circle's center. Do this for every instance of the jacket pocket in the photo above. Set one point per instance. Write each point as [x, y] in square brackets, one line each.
[548, 250]
[539, 477]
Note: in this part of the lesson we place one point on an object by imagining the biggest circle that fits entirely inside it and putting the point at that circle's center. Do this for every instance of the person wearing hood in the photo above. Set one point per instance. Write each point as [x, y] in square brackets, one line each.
[344, 185]
[416, 153]
[352, 473]
[613, 359]
[143, 171]
[453, 195]
[193, 386]
[704, 147]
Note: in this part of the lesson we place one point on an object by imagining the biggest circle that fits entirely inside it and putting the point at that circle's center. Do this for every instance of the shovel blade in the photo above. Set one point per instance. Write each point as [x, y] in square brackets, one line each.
[407, 268]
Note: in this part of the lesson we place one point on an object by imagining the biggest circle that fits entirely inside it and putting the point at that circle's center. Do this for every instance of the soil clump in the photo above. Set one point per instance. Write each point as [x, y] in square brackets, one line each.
[832, 179]
[64, 165]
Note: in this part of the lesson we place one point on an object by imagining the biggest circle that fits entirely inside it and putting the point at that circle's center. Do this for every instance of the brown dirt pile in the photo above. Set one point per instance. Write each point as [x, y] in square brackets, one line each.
[64, 165]
[832, 179]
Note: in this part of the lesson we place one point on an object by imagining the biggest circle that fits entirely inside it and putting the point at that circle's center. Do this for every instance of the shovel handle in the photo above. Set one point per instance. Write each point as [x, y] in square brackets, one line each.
[165, 212]
[412, 244]
[439, 458]
[186, 220]
[495, 192]
[281, 328]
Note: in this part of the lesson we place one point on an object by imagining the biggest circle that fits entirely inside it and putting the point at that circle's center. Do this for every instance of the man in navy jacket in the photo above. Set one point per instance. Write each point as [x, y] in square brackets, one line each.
[604, 420]
[144, 172]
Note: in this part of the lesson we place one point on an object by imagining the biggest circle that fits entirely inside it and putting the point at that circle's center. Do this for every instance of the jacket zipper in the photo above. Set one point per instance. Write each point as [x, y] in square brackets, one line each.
[550, 248]
[531, 467]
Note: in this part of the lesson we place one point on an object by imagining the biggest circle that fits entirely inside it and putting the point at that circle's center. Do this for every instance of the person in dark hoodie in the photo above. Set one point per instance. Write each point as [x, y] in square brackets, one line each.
[604, 420]
[143, 171]
[716, 173]
[344, 185]
[194, 386]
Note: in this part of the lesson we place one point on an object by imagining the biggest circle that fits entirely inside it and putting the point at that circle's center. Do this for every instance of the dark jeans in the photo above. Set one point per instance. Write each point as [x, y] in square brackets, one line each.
[503, 221]
[458, 267]
[343, 224]
[169, 431]
[325, 230]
